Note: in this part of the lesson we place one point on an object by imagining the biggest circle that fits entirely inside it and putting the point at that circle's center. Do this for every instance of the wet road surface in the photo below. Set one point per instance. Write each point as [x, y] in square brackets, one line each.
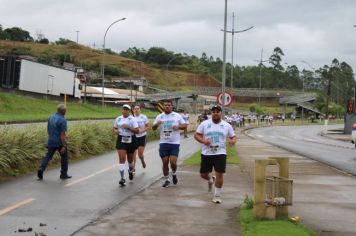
[66, 206]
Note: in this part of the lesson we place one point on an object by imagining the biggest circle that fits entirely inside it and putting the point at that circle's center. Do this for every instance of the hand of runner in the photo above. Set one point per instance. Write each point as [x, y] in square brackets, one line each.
[175, 127]
[231, 142]
[124, 126]
[207, 142]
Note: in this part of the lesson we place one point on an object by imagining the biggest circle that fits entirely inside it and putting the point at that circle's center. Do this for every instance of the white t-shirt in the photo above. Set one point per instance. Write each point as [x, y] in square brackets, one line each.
[186, 118]
[217, 134]
[142, 121]
[130, 121]
[167, 134]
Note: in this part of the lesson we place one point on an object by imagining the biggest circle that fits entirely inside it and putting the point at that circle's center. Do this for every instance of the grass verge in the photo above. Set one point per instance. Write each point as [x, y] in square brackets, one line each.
[18, 108]
[250, 226]
[232, 157]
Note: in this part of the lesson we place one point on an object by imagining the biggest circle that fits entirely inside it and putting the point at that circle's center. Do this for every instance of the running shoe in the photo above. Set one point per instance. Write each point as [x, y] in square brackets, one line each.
[216, 199]
[211, 183]
[166, 183]
[175, 179]
[122, 182]
[131, 174]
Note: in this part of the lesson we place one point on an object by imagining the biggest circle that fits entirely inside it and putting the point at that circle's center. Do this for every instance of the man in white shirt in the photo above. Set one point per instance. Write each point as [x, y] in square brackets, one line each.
[213, 133]
[170, 123]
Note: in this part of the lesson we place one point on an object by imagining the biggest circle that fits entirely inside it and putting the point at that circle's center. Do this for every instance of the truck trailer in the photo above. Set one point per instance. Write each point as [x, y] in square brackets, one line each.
[31, 76]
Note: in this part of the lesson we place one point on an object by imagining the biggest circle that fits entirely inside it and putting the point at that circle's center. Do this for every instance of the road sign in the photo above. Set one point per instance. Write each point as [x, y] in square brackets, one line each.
[228, 99]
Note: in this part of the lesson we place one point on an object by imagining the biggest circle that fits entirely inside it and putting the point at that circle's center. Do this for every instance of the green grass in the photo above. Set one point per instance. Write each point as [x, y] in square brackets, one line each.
[232, 157]
[18, 108]
[250, 226]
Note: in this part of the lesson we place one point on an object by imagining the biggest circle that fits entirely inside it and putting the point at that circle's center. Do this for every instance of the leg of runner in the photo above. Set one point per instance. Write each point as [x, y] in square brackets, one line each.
[210, 179]
[134, 158]
[140, 151]
[122, 160]
[165, 169]
[218, 185]
[173, 162]
[130, 157]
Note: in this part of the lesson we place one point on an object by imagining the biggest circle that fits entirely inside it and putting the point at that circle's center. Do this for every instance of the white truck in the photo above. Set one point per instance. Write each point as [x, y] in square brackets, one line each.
[39, 78]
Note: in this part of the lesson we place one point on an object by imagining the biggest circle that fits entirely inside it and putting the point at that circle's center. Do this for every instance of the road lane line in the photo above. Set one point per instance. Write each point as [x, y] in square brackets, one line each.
[89, 176]
[17, 205]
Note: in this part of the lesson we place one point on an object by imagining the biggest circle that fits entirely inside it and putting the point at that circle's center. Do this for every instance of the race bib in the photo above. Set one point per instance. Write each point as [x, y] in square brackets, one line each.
[126, 139]
[214, 148]
[167, 134]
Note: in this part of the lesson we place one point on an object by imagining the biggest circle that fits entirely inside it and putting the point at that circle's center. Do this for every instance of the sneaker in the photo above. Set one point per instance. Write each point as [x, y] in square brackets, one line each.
[185, 136]
[131, 174]
[65, 176]
[40, 174]
[166, 183]
[122, 182]
[211, 183]
[216, 199]
[175, 179]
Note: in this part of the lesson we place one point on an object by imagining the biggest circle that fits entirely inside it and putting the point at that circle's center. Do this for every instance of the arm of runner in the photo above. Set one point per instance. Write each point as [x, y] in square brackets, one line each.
[156, 123]
[133, 127]
[232, 136]
[181, 124]
[200, 138]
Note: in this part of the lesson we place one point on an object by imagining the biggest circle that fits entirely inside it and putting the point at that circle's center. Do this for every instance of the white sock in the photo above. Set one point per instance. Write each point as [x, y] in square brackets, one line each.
[211, 180]
[173, 173]
[122, 170]
[166, 177]
[217, 191]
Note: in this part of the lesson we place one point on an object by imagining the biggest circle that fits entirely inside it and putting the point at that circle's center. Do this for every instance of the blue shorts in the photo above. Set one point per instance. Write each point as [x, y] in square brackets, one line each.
[168, 149]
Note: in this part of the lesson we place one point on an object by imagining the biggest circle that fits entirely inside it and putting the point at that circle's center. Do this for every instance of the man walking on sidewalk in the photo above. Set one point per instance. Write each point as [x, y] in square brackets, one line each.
[170, 123]
[56, 128]
[213, 133]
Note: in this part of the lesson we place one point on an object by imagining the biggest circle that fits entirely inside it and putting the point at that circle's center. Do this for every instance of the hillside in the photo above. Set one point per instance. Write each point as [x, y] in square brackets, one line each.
[90, 59]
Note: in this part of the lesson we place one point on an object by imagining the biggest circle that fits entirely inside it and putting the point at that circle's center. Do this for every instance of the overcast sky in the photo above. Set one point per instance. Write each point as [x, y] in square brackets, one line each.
[315, 31]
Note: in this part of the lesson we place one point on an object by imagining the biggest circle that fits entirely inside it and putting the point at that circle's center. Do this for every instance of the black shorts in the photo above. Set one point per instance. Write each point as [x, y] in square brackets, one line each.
[216, 161]
[141, 141]
[129, 147]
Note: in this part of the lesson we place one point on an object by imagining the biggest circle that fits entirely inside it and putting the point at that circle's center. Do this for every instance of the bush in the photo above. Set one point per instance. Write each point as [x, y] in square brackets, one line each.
[248, 203]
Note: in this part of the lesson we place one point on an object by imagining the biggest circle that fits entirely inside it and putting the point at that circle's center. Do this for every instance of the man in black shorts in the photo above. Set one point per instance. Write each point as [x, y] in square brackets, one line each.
[213, 133]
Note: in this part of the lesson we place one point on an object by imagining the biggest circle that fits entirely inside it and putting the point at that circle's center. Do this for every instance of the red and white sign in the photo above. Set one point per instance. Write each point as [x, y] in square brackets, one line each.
[228, 99]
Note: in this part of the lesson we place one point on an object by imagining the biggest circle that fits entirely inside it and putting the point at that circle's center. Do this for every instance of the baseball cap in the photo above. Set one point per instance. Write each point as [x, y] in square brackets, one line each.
[216, 107]
[126, 106]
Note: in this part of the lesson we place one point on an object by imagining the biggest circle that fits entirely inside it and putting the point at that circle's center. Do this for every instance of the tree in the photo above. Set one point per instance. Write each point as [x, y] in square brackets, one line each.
[17, 34]
[276, 58]
[63, 41]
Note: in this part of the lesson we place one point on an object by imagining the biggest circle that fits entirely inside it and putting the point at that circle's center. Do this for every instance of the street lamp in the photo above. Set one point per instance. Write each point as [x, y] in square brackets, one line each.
[260, 84]
[102, 64]
[232, 32]
[77, 35]
[166, 77]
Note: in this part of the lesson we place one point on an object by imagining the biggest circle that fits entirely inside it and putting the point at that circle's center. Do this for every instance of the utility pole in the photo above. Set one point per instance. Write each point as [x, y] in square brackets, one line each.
[260, 84]
[233, 32]
[224, 63]
[77, 35]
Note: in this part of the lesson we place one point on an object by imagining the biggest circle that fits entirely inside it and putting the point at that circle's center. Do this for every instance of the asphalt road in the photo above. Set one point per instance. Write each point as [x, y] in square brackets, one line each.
[306, 141]
[66, 206]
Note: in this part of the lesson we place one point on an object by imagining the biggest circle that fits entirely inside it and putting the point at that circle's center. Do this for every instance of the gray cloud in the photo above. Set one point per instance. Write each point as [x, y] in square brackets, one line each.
[316, 31]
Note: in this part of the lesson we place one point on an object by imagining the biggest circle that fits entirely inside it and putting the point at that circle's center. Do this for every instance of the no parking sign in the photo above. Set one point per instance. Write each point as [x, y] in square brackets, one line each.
[228, 99]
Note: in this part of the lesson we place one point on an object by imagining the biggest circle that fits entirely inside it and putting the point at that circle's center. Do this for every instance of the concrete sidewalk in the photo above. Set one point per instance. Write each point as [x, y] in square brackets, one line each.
[323, 197]
[185, 209]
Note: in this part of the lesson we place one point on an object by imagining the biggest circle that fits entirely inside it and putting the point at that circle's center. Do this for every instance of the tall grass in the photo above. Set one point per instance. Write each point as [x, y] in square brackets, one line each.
[21, 150]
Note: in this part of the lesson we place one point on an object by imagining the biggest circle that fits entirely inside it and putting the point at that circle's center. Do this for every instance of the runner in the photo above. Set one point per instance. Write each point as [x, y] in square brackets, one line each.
[142, 122]
[186, 119]
[170, 122]
[213, 133]
[125, 127]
